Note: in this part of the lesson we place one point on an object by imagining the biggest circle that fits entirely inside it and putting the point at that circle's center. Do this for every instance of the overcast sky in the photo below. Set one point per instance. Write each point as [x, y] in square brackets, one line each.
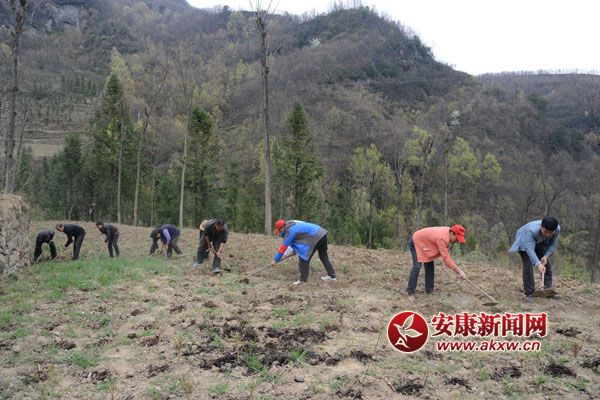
[478, 36]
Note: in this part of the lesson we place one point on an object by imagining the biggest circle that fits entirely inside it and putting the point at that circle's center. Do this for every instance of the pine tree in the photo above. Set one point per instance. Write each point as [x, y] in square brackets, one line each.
[202, 164]
[296, 166]
[112, 139]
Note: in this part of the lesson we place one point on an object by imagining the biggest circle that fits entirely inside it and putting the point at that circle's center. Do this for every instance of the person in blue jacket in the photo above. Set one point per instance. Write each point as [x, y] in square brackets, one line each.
[305, 239]
[169, 236]
[535, 242]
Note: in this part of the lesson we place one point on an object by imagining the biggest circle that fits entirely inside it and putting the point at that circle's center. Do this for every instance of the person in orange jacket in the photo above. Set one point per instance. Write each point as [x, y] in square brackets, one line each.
[428, 244]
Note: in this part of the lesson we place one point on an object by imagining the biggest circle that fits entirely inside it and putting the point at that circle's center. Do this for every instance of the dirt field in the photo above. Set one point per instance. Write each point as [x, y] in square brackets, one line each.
[148, 328]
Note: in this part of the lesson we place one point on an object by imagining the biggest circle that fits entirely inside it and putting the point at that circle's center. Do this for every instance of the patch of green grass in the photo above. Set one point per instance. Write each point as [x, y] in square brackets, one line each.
[303, 319]
[216, 339]
[337, 383]
[106, 385]
[180, 387]
[208, 291]
[541, 379]
[279, 325]
[297, 356]
[484, 374]
[218, 389]
[21, 333]
[253, 363]
[580, 384]
[154, 393]
[5, 319]
[83, 360]
[281, 312]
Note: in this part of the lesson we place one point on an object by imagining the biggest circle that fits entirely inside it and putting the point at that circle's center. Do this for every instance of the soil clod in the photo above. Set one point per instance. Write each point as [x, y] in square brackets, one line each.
[409, 387]
[559, 370]
[512, 372]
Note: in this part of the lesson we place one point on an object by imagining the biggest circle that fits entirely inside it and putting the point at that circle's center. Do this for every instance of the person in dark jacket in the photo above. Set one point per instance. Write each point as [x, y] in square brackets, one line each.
[213, 236]
[169, 236]
[305, 239]
[44, 237]
[112, 236]
[75, 234]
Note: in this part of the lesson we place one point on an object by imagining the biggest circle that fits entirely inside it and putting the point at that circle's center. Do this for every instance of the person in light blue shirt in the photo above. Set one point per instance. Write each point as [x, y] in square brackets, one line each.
[305, 239]
[535, 242]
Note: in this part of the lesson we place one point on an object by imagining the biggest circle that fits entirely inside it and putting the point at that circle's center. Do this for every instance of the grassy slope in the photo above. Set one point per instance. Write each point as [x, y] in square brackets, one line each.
[141, 326]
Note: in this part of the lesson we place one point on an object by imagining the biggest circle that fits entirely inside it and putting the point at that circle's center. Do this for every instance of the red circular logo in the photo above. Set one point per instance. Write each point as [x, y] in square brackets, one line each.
[408, 331]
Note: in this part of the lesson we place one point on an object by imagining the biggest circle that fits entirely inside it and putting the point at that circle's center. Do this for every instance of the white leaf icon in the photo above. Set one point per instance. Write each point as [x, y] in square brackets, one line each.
[405, 331]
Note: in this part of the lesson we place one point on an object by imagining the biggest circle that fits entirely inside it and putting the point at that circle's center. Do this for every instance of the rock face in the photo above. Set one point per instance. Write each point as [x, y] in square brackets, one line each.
[15, 247]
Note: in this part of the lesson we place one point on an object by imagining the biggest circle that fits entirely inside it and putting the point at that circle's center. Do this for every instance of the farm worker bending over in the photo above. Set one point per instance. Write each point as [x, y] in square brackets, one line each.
[535, 243]
[76, 234]
[112, 236]
[169, 236]
[428, 244]
[305, 239]
[44, 237]
[213, 236]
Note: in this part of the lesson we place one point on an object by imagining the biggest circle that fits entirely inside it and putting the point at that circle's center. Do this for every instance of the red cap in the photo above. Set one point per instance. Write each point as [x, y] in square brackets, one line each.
[279, 225]
[459, 231]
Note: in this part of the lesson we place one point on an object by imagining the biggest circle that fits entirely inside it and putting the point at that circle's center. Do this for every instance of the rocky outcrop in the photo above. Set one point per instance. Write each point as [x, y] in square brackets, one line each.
[15, 246]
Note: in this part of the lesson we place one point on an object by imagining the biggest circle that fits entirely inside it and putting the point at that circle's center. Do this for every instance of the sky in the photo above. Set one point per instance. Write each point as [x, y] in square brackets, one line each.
[479, 36]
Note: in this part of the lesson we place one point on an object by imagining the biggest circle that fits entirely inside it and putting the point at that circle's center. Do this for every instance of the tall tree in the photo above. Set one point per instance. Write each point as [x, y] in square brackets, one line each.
[261, 23]
[419, 151]
[111, 149]
[202, 161]
[19, 11]
[373, 180]
[297, 167]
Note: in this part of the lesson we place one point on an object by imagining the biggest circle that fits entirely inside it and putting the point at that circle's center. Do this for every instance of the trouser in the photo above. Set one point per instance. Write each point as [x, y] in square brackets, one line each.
[174, 246]
[113, 242]
[38, 249]
[304, 266]
[204, 252]
[414, 272]
[77, 246]
[528, 270]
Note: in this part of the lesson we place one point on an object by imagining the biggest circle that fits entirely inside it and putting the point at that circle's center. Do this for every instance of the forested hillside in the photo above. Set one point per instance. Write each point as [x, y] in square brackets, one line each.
[371, 136]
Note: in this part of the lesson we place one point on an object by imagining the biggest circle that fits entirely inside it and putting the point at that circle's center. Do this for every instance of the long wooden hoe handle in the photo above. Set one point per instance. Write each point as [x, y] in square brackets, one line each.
[478, 288]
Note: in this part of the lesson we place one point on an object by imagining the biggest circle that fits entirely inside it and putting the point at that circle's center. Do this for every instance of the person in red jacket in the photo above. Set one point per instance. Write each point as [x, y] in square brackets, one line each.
[428, 244]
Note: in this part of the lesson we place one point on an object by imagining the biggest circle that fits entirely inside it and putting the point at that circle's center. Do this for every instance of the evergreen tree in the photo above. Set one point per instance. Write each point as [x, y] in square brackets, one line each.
[296, 167]
[112, 133]
[202, 164]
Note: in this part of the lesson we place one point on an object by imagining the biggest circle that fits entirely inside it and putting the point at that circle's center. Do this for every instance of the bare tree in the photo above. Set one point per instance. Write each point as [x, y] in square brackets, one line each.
[120, 162]
[596, 254]
[23, 125]
[19, 9]
[184, 66]
[151, 99]
[261, 23]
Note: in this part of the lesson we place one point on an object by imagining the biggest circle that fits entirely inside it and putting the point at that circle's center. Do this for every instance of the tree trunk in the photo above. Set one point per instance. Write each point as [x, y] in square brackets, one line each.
[370, 238]
[152, 202]
[182, 192]
[120, 167]
[267, 147]
[596, 256]
[446, 172]
[18, 8]
[139, 168]
[420, 207]
[19, 148]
